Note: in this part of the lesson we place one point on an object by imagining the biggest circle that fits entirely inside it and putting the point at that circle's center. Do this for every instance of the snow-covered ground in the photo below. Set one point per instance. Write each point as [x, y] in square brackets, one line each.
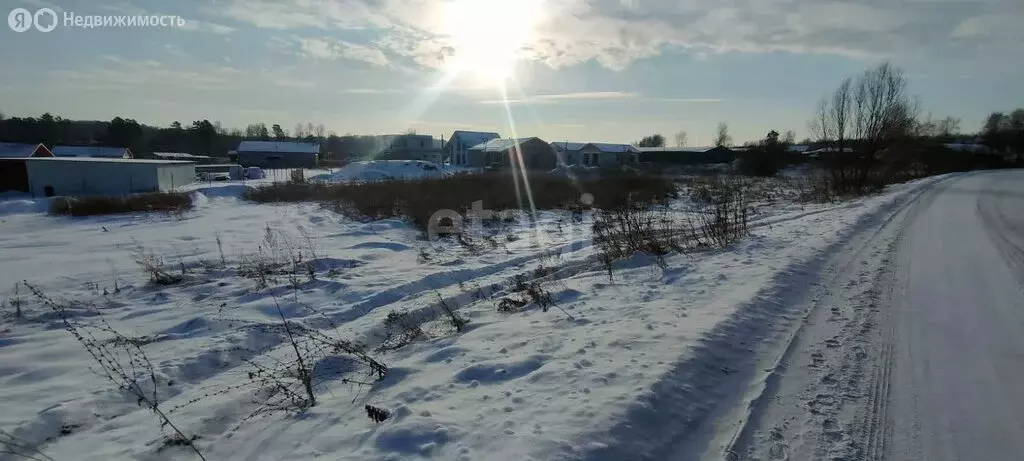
[647, 364]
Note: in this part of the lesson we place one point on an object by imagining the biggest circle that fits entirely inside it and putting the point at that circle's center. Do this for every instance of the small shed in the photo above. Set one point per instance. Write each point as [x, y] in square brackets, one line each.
[92, 152]
[273, 154]
[49, 177]
[23, 150]
[500, 153]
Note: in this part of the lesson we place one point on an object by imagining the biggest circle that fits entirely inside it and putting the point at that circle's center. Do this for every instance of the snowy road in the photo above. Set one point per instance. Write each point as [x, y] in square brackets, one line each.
[958, 385]
[913, 340]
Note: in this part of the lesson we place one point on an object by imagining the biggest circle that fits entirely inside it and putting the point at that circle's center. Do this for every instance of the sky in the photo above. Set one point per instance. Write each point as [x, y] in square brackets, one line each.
[577, 70]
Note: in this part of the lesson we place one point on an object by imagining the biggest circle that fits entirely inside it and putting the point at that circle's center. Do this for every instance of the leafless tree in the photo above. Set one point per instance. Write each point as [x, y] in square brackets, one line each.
[681, 139]
[948, 126]
[299, 132]
[872, 113]
[722, 137]
[789, 137]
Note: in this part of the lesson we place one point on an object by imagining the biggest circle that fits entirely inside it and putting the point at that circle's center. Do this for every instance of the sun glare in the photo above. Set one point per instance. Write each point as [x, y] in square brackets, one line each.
[488, 35]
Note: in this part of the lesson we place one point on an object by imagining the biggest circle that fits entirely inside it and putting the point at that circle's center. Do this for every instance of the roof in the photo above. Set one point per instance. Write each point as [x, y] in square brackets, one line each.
[90, 151]
[603, 147]
[689, 150]
[17, 149]
[800, 148]
[473, 138]
[500, 144]
[568, 146]
[178, 156]
[106, 160]
[967, 147]
[283, 147]
[828, 150]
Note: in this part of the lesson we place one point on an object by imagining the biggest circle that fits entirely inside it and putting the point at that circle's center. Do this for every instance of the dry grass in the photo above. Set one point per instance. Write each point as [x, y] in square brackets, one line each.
[418, 200]
[166, 202]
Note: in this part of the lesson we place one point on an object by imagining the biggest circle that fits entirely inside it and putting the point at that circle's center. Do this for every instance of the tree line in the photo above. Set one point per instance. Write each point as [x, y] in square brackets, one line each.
[200, 137]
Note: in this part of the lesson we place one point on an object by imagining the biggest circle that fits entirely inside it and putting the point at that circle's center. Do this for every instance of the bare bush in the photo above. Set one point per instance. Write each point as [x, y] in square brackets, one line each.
[153, 267]
[723, 220]
[400, 329]
[121, 360]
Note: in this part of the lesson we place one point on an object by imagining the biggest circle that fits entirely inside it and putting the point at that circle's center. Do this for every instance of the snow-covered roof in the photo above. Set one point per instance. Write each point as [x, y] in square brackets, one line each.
[473, 138]
[828, 150]
[19, 150]
[282, 147]
[92, 151]
[688, 150]
[967, 147]
[499, 145]
[178, 156]
[106, 160]
[799, 148]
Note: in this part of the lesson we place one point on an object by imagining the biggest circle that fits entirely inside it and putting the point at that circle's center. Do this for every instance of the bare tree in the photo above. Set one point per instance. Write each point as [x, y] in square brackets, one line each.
[319, 131]
[299, 132]
[722, 137]
[948, 126]
[789, 138]
[681, 139]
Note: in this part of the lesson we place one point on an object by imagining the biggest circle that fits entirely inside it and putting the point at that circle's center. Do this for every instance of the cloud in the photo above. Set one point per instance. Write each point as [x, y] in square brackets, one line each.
[615, 33]
[372, 91]
[211, 27]
[690, 100]
[117, 73]
[338, 49]
[989, 26]
[328, 48]
[554, 98]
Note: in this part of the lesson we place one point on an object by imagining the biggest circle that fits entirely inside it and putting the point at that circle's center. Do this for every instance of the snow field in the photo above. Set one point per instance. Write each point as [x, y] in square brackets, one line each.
[643, 368]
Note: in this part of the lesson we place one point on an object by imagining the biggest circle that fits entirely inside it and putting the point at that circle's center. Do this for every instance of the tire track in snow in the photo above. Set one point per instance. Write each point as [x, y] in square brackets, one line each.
[835, 354]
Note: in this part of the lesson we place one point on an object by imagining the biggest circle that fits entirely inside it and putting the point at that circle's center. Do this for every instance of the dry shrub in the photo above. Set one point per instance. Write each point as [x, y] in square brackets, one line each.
[154, 268]
[400, 329]
[723, 220]
[167, 202]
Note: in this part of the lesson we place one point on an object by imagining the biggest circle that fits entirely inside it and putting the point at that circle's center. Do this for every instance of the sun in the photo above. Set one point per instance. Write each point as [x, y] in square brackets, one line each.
[487, 36]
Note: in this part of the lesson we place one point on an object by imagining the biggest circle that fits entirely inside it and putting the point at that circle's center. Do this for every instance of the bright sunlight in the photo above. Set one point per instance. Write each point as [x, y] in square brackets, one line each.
[487, 36]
